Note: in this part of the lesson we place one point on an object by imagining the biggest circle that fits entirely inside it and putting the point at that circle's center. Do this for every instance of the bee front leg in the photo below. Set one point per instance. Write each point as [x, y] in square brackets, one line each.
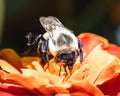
[42, 50]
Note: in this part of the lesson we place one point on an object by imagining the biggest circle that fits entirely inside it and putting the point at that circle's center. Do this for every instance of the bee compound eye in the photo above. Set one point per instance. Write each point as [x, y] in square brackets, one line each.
[64, 57]
[72, 55]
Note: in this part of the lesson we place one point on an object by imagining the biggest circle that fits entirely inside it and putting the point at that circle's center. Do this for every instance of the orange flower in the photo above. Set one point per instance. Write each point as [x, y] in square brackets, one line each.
[91, 40]
[101, 66]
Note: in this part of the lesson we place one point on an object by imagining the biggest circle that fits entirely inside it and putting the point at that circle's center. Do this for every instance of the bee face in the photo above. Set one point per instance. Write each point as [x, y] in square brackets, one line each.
[67, 57]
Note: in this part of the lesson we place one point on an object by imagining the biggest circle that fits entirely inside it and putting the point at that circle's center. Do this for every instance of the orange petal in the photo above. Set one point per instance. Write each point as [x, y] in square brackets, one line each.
[99, 60]
[39, 86]
[7, 89]
[37, 82]
[53, 69]
[12, 57]
[27, 61]
[79, 74]
[83, 88]
[98, 67]
[30, 83]
[110, 71]
[3, 75]
[8, 68]
[114, 50]
[90, 40]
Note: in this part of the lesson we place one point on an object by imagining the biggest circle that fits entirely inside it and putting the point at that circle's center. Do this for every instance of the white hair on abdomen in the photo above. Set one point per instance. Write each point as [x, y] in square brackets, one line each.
[56, 34]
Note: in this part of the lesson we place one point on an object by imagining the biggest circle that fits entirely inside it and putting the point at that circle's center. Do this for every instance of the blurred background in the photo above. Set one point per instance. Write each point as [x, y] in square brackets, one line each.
[18, 17]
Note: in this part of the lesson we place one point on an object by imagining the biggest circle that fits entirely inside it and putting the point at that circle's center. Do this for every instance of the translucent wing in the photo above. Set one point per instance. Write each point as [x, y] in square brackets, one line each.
[50, 23]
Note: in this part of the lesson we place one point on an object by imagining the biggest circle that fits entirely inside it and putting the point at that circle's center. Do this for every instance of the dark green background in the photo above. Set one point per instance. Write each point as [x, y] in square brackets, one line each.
[22, 16]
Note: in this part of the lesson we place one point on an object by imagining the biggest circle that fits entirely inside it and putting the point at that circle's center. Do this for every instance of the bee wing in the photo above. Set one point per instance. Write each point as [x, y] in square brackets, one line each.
[50, 23]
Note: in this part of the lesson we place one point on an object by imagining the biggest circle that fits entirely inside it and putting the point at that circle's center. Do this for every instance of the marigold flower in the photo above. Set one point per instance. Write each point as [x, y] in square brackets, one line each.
[97, 76]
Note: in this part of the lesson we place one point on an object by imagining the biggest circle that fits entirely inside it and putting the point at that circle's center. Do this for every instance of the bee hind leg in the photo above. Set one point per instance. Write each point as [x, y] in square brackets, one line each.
[42, 51]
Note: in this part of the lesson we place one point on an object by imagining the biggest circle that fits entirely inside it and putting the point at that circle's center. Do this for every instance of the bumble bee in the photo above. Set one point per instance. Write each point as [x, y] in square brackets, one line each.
[61, 42]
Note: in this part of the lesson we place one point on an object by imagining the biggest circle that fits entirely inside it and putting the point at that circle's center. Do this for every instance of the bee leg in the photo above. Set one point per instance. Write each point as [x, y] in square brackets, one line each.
[65, 70]
[60, 71]
[81, 51]
[70, 68]
[42, 50]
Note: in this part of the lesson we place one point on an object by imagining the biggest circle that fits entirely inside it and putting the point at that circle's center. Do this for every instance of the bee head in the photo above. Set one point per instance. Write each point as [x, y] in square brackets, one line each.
[67, 57]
